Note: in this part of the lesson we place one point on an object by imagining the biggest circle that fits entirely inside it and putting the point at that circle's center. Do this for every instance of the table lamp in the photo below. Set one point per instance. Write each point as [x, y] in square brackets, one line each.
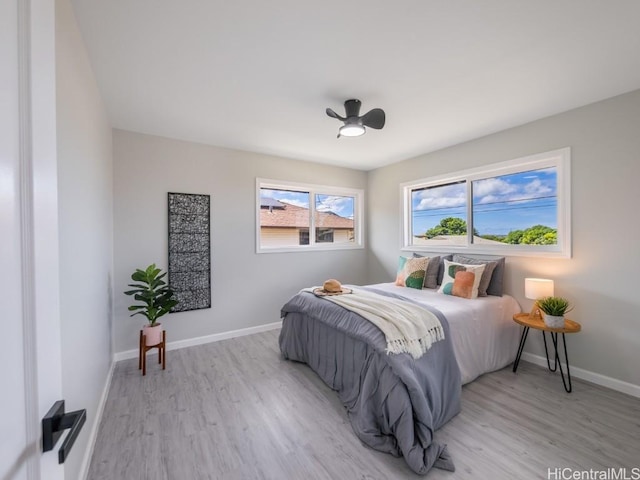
[536, 288]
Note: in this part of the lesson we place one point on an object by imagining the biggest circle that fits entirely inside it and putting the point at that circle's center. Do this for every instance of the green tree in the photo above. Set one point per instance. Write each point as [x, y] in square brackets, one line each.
[514, 237]
[540, 235]
[449, 226]
[496, 238]
[536, 235]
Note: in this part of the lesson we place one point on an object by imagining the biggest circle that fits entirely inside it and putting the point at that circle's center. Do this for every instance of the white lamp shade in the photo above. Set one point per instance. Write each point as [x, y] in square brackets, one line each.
[535, 288]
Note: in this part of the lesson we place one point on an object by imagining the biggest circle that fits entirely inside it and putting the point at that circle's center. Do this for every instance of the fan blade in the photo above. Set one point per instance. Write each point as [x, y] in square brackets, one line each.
[374, 118]
[333, 114]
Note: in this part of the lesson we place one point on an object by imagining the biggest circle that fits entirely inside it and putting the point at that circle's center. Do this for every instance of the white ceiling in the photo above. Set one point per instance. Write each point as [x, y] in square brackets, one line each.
[258, 75]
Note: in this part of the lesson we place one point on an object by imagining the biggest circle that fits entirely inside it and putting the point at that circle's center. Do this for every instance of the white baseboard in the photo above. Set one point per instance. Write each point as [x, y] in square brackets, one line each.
[93, 434]
[598, 379]
[216, 337]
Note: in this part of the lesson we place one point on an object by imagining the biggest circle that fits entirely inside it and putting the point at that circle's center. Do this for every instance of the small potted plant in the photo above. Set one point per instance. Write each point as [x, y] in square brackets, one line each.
[554, 309]
[155, 295]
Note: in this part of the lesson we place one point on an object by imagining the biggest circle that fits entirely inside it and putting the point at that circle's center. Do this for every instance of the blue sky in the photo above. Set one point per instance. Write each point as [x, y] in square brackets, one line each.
[501, 204]
[339, 205]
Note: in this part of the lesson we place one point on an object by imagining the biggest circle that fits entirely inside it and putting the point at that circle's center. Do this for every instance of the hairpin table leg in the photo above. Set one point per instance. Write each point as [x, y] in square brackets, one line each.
[523, 340]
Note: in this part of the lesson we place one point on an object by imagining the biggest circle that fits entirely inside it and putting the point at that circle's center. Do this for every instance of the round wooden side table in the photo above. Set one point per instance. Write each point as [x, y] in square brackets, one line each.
[537, 323]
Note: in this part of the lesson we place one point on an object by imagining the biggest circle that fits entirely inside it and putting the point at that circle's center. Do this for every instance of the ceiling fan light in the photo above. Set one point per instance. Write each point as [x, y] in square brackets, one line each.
[352, 130]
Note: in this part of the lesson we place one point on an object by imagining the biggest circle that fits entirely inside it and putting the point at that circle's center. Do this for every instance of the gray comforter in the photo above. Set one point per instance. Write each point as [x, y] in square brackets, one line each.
[394, 403]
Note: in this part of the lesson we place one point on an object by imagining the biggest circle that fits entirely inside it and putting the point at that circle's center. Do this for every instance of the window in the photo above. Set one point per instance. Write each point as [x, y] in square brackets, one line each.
[303, 237]
[287, 213]
[324, 235]
[519, 207]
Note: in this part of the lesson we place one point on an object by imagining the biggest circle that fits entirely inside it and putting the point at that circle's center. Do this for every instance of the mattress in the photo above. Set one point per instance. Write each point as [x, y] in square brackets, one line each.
[484, 335]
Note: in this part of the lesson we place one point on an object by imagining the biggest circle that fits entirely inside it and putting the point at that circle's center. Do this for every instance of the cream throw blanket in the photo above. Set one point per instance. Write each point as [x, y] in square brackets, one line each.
[407, 327]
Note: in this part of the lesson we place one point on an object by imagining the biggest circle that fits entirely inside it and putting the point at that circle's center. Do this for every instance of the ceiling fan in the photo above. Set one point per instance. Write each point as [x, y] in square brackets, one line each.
[353, 124]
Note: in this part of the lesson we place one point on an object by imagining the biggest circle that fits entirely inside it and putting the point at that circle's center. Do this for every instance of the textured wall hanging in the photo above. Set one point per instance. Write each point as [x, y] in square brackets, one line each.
[189, 250]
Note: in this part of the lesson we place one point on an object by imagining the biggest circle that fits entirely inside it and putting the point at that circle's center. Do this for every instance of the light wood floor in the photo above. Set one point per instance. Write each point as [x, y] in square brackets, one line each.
[236, 410]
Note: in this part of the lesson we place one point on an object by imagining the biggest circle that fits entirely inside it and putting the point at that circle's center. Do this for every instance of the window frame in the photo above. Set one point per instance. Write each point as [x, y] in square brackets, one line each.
[560, 159]
[313, 190]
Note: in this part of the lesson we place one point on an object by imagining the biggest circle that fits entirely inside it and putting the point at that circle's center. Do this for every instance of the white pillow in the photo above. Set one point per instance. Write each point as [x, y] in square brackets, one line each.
[461, 280]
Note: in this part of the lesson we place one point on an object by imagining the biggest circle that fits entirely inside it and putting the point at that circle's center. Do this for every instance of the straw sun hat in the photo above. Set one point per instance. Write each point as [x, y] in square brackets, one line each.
[331, 287]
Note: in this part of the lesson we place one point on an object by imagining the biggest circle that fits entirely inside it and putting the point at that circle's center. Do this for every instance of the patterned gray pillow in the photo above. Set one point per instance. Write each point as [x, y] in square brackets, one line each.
[431, 277]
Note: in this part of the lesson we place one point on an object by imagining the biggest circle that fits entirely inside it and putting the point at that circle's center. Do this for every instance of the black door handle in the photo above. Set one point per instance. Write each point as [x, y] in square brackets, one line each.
[55, 422]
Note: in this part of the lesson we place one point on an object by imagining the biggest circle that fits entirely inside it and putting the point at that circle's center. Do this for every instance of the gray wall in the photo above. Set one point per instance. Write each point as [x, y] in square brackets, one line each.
[601, 277]
[85, 196]
[248, 289]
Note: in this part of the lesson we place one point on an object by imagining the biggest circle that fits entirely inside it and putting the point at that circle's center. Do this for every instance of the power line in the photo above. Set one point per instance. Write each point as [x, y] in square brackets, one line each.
[427, 213]
[519, 200]
[514, 208]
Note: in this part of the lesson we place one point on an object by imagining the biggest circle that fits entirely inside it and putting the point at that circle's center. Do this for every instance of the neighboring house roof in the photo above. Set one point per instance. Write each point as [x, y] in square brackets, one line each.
[286, 215]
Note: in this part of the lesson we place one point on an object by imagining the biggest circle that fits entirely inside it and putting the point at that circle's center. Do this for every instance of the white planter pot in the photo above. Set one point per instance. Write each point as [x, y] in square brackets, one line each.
[553, 321]
[153, 335]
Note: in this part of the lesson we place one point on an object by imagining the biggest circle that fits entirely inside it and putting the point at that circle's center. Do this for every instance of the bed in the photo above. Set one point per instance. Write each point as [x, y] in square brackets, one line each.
[395, 403]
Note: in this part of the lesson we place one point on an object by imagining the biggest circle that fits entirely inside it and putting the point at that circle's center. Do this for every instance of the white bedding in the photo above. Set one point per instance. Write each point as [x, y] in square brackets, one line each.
[484, 335]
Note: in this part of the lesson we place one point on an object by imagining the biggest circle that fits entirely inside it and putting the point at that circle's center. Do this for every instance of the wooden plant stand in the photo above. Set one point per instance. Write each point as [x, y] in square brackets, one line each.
[142, 359]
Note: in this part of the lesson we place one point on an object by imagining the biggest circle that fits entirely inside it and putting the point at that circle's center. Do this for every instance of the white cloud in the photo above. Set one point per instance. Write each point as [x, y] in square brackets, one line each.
[449, 196]
[495, 190]
[335, 204]
[537, 188]
[441, 202]
[332, 203]
[493, 186]
[488, 199]
[299, 199]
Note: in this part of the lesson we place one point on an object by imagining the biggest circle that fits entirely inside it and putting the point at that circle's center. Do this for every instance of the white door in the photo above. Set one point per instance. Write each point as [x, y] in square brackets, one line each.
[30, 359]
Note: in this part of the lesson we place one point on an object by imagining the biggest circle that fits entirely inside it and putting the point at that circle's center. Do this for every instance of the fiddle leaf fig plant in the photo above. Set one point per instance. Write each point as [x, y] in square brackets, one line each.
[153, 292]
[555, 306]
